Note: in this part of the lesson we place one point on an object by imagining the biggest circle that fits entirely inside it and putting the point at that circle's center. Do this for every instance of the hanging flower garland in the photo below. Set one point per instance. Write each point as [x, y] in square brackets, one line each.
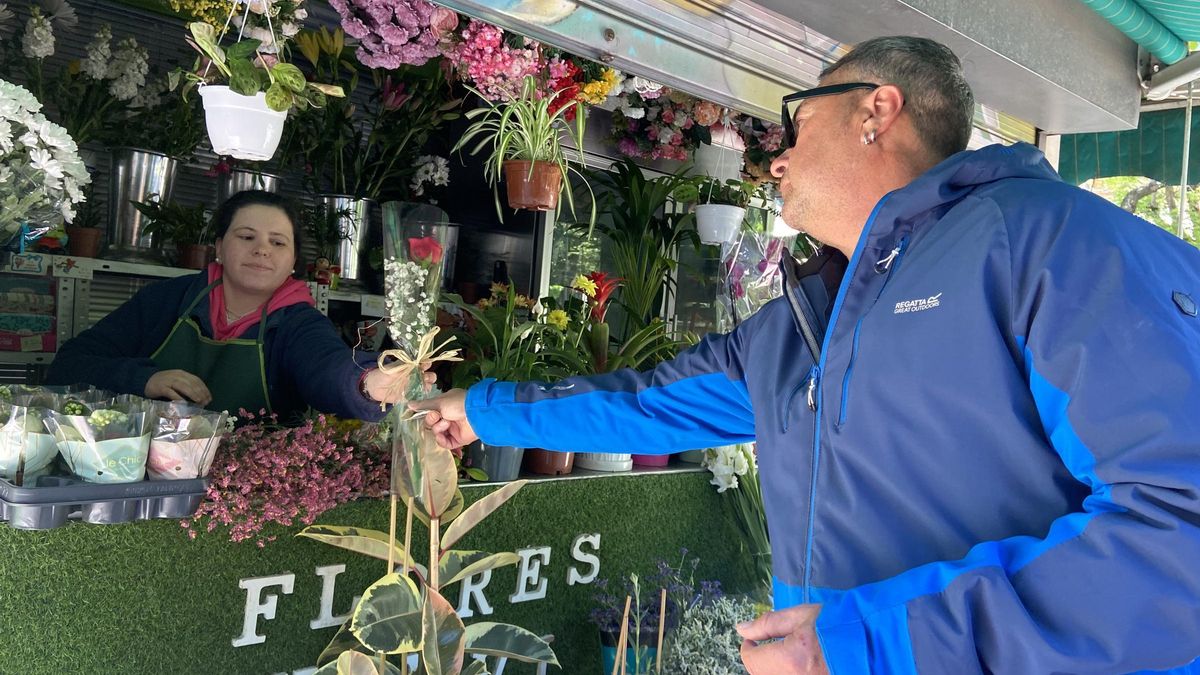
[655, 122]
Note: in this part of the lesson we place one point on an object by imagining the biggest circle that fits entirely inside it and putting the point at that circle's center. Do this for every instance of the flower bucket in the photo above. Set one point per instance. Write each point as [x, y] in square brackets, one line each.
[242, 127]
[718, 223]
[651, 460]
[238, 180]
[358, 224]
[136, 176]
[534, 192]
[500, 462]
[83, 242]
[549, 462]
[603, 461]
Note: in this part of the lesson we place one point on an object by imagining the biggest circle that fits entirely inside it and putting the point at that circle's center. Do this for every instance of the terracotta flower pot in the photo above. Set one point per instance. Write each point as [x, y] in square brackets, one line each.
[536, 192]
[195, 256]
[83, 242]
[549, 463]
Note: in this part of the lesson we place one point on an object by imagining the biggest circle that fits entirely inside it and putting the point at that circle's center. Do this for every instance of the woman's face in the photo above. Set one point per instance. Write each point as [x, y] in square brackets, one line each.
[258, 250]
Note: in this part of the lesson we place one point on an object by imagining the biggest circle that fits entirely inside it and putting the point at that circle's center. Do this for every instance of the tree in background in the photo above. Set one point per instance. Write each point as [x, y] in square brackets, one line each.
[1153, 201]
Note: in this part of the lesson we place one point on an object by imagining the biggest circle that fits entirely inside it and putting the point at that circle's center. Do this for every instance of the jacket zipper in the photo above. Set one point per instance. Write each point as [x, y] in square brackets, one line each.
[816, 398]
[887, 265]
[792, 286]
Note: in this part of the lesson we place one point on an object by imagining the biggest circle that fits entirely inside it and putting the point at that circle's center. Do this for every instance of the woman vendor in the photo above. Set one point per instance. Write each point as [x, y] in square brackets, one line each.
[241, 335]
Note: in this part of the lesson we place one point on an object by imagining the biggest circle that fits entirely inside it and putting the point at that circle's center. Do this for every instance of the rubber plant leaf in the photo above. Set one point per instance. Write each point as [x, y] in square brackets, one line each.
[371, 543]
[478, 511]
[452, 511]
[388, 618]
[514, 642]
[458, 565]
[444, 648]
[343, 641]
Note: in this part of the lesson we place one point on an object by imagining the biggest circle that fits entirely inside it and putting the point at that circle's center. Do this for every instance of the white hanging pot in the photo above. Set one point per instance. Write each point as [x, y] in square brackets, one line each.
[240, 126]
[718, 223]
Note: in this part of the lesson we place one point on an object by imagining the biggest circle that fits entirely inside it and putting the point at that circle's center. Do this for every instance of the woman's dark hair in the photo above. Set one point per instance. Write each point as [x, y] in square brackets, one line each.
[224, 214]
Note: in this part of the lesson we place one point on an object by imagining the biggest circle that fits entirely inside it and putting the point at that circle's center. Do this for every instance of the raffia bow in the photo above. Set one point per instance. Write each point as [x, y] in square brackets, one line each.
[400, 365]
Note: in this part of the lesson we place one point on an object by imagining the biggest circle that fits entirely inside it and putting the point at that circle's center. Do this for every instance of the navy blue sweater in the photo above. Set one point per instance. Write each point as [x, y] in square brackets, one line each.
[307, 364]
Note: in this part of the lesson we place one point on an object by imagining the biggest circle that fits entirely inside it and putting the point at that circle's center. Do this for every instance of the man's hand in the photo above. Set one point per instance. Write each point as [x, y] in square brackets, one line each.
[178, 385]
[447, 418]
[794, 650]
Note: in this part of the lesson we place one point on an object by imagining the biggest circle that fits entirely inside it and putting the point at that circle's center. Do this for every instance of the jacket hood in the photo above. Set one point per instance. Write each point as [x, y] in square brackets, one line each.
[953, 178]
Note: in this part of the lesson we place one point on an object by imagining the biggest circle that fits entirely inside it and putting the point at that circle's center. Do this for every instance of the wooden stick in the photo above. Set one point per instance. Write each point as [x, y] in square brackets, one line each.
[407, 543]
[392, 536]
[619, 662]
[662, 619]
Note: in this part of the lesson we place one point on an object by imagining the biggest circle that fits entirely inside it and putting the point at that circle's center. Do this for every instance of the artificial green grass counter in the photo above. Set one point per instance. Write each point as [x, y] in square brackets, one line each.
[143, 598]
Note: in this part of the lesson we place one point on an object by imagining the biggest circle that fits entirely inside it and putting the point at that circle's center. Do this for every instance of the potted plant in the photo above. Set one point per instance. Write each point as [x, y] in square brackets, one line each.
[83, 234]
[502, 341]
[524, 134]
[577, 341]
[720, 206]
[185, 226]
[245, 116]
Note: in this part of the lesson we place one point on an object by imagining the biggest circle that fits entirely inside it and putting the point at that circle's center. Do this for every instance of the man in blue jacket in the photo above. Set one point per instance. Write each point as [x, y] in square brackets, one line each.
[977, 409]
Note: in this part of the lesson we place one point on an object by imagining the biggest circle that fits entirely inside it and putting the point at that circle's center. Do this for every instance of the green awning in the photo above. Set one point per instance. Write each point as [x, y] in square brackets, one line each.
[1153, 150]
[1162, 27]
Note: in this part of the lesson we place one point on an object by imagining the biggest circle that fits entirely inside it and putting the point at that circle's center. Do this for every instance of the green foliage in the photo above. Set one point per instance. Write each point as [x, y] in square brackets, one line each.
[173, 127]
[366, 152]
[502, 338]
[400, 616]
[1150, 200]
[247, 72]
[644, 233]
[524, 128]
[323, 227]
[705, 190]
[174, 221]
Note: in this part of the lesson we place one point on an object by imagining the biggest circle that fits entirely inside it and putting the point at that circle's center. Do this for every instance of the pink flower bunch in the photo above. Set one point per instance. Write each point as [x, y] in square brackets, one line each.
[666, 126]
[764, 142]
[391, 33]
[265, 473]
[485, 59]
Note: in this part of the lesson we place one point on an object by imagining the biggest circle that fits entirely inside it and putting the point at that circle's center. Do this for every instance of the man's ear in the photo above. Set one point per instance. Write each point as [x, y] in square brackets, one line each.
[880, 109]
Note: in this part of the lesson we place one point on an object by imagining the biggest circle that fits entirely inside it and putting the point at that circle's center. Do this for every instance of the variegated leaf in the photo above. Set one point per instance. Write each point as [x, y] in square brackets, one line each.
[388, 618]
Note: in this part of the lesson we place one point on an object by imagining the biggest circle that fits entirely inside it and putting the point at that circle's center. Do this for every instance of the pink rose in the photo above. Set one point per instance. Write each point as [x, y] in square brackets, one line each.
[425, 249]
[443, 22]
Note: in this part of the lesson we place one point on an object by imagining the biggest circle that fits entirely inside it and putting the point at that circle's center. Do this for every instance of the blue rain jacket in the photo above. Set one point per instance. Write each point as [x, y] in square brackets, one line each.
[979, 438]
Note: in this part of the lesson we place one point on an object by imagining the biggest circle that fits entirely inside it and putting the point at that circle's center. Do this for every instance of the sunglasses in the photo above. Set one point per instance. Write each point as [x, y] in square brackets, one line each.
[789, 119]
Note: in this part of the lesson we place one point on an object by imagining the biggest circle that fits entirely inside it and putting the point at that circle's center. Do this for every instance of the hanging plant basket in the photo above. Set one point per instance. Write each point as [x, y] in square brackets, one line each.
[240, 126]
[718, 223]
[536, 191]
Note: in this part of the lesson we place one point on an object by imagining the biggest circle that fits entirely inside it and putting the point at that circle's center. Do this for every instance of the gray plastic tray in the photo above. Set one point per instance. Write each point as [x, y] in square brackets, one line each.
[55, 499]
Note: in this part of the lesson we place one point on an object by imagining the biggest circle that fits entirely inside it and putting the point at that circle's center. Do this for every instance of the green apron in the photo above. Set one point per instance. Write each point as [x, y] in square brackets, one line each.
[234, 370]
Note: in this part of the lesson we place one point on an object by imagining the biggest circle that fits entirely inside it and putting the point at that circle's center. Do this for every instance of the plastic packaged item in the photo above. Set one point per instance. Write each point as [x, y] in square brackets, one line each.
[52, 500]
[184, 441]
[108, 443]
[26, 448]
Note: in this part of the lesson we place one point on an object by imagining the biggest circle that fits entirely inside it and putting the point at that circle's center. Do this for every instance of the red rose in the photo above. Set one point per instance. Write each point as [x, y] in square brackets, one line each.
[425, 250]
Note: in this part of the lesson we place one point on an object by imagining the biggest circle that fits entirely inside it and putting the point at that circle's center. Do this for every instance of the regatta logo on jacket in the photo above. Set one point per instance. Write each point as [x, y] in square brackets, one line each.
[921, 304]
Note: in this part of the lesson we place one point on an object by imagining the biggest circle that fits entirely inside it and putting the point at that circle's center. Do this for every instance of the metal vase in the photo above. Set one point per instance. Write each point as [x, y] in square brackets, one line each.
[359, 227]
[136, 175]
[238, 180]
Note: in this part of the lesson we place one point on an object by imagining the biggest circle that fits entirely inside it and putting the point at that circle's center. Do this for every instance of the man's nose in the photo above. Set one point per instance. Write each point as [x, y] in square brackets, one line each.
[779, 164]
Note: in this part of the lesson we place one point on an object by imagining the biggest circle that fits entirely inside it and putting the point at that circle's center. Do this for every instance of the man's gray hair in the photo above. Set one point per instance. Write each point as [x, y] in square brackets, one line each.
[935, 92]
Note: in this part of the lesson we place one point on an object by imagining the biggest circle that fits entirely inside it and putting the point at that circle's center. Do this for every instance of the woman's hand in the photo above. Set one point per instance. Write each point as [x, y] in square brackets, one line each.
[379, 383]
[178, 385]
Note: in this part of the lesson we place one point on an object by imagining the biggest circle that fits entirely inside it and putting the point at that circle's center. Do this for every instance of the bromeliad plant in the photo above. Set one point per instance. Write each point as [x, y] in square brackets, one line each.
[405, 612]
[577, 338]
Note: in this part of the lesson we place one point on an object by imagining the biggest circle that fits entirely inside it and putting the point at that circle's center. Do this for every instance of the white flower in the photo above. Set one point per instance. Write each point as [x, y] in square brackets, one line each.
[727, 464]
[300, 14]
[6, 139]
[38, 40]
[430, 169]
[289, 29]
[42, 160]
[127, 70]
[642, 86]
[633, 113]
[61, 13]
[665, 135]
[258, 6]
[6, 14]
[95, 64]
[262, 35]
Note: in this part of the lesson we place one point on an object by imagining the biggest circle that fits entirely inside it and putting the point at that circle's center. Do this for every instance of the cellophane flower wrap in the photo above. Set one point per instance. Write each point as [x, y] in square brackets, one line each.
[103, 442]
[26, 447]
[184, 442]
[41, 175]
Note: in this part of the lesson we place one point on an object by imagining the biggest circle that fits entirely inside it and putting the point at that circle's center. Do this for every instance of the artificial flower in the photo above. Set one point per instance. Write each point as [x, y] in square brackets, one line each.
[584, 284]
[425, 250]
[391, 33]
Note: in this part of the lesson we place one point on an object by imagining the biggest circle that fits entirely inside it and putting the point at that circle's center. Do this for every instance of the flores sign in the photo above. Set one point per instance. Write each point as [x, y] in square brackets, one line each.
[263, 593]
